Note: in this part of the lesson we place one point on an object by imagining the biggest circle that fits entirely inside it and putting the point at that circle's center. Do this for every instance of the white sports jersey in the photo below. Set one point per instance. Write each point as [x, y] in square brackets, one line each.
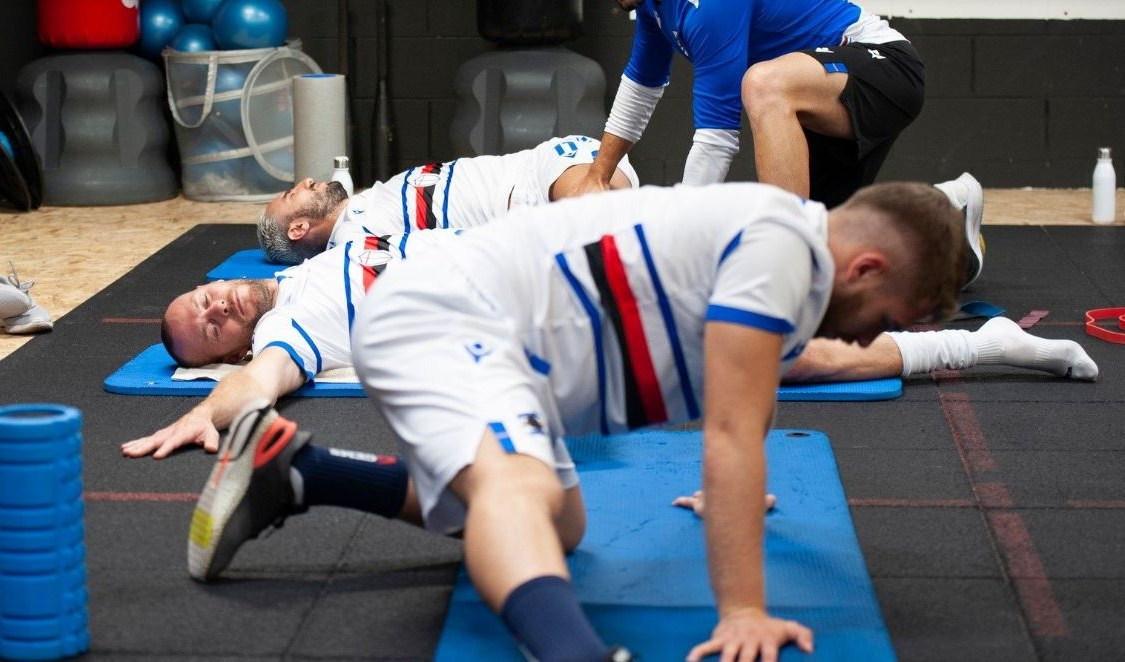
[317, 299]
[609, 294]
[463, 193]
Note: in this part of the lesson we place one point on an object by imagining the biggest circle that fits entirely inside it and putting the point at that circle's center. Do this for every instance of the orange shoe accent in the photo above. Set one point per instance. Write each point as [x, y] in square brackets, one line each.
[224, 460]
[276, 436]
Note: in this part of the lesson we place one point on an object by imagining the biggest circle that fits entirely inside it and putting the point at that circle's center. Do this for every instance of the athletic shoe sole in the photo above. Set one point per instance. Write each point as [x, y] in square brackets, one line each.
[974, 215]
[224, 516]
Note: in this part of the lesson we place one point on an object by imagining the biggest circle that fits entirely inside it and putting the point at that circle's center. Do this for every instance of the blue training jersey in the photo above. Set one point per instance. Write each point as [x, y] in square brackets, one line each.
[722, 38]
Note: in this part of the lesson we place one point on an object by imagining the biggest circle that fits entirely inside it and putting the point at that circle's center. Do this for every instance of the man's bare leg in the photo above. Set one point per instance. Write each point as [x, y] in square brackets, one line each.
[514, 550]
[782, 97]
[999, 341]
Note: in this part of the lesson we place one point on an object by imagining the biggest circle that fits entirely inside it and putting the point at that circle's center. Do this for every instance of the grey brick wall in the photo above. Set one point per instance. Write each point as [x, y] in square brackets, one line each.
[1018, 103]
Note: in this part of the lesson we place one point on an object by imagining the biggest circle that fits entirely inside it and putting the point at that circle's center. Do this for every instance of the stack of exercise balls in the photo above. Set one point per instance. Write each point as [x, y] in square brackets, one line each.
[191, 26]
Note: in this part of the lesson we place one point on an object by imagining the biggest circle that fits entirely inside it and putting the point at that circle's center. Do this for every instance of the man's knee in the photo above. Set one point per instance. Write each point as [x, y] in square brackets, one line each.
[764, 89]
[515, 483]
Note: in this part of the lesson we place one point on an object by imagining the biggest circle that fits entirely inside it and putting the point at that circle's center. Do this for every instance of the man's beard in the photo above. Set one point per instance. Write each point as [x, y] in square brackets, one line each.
[324, 203]
[264, 300]
[840, 307]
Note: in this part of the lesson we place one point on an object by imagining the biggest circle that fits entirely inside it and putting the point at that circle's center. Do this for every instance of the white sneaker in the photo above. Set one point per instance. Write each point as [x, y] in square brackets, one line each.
[966, 194]
[13, 300]
[31, 318]
[35, 320]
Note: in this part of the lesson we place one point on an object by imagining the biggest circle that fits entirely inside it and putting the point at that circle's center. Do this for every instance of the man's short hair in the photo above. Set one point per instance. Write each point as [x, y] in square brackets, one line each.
[934, 232]
[274, 238]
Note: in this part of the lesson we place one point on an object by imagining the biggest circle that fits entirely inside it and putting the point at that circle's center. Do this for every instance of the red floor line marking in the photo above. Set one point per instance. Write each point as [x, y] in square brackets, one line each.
[993, 495]
[1025, 570]
[1084, 503]
[1028, 574]
[131, 320]
[1031, 319]
[966, 433]
[911, 503]
[947, 378]
[140, 496]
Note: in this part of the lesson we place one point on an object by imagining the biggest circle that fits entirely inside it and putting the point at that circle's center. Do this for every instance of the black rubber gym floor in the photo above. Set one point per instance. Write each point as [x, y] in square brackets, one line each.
[990, 504]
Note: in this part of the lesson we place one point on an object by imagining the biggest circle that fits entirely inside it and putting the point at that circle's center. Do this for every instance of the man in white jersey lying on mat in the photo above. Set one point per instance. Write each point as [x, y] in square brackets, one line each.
[467, 192]
[599, 315]
[297, 325]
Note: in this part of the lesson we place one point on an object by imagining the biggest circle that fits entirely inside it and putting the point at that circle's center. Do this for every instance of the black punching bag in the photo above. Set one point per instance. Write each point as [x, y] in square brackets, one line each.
[529, 23]
[531, 88]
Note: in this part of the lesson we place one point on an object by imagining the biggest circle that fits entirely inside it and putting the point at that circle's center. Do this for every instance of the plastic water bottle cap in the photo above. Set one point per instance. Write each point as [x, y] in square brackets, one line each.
[340, 162]
[1104, 152]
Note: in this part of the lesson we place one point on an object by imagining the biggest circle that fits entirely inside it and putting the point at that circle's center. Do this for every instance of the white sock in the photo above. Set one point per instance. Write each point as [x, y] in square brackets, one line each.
[1000, 341]
[926, 351]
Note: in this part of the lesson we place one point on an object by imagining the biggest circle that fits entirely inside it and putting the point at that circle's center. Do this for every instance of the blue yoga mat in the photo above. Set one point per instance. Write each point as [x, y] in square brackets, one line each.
[150, 373]
[641, 571]
[250, 263]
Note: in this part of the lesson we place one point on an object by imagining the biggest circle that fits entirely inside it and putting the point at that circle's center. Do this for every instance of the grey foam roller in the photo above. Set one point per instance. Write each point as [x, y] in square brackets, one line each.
[319, 124]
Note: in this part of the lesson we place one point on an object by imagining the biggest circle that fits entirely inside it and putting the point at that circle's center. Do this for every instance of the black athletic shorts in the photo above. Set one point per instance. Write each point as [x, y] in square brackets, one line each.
[884, 93]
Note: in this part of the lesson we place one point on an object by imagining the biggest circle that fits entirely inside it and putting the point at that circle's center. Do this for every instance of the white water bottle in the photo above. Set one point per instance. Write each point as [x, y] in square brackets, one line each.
[340, 173]
[1105, 188]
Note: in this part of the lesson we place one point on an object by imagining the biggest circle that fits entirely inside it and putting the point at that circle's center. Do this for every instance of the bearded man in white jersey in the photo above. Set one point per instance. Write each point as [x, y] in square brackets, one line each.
[467, 192]
[600, 314]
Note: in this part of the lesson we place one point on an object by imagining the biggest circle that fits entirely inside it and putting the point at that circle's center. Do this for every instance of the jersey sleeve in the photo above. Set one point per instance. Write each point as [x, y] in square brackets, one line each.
[717, 38]
[650, 63]
[764, 278]
[278, 329]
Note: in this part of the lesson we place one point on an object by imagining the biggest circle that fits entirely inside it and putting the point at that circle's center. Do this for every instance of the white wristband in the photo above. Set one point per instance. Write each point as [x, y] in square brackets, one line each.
[710, 156]
[632, 109]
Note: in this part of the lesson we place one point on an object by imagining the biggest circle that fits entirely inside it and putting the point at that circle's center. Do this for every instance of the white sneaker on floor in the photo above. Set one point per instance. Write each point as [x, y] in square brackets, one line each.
[35, 320]
[18, 318]
[966, 194]
[13, 300]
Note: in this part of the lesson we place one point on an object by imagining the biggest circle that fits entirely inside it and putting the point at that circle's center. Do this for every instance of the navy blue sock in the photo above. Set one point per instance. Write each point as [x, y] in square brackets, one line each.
[545, 616]
[350, 479]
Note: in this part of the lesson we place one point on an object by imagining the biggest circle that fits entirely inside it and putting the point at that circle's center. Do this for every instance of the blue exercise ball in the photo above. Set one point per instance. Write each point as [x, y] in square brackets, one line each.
[160, 21]
[193, 38]
[250, 24]
[230, 78]
[200, 11]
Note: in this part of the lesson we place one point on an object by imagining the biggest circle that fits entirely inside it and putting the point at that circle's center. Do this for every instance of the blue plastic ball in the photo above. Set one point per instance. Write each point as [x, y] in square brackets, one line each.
[193, 38]
[160, 21]
[200, 11]
[230, 78]
[250, 24]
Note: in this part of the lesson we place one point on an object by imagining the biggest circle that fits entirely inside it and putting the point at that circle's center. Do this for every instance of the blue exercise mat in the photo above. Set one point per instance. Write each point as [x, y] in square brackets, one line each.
[641, 571]
[150, 373]
[250, 263]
